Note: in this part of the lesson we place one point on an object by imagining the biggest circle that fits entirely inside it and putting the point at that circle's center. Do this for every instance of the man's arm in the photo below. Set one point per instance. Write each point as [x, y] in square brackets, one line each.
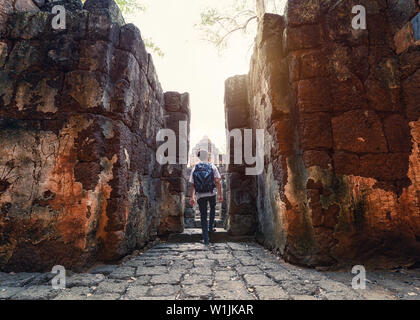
[192, 195]
[217, 178]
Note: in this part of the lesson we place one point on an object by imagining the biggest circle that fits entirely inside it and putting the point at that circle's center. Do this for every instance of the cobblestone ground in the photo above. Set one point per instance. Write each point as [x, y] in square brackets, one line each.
[227, 271]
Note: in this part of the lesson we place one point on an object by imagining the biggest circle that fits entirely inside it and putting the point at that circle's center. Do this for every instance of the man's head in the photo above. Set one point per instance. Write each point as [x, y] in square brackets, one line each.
[203, 155]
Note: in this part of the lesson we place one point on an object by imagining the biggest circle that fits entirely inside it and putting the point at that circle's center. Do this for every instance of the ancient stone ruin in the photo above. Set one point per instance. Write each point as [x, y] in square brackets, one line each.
[340, 109]
[174, 176]
[79, 112]
[81, 107]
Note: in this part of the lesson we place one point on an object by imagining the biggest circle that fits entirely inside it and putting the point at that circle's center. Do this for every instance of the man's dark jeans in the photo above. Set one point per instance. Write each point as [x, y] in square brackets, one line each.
[202, 205]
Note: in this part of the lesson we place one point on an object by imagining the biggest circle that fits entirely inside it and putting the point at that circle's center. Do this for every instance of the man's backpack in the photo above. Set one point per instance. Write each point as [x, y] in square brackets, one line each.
[203, 177]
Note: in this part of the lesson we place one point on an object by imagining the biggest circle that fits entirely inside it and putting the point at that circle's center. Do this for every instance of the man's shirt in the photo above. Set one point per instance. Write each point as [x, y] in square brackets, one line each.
[216, 176]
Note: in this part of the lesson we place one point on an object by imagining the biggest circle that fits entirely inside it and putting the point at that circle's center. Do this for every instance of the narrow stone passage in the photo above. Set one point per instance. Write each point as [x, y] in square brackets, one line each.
[88, 174]
[240, 271]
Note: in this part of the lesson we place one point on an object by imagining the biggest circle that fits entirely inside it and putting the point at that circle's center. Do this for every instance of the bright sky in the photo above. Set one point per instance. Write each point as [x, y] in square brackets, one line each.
[191, 64]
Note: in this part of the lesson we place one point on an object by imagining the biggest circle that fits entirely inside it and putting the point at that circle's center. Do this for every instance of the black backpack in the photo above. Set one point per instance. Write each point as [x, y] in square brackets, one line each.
[203, 177]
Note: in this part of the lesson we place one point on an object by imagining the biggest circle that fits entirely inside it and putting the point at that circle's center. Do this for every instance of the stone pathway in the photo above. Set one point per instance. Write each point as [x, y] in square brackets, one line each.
[227, 271]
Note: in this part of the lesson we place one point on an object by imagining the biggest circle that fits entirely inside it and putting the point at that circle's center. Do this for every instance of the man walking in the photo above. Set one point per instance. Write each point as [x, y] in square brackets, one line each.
[205, 178]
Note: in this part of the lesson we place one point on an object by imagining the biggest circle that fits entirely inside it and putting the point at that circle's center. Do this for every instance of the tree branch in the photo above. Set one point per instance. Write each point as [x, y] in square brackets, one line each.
[243, 27]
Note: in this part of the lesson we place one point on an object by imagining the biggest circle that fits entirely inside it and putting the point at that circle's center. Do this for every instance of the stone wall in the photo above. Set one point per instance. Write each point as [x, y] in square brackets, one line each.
[340, 110]
[189, 212]
[79, 112]
[6, 7]
[222, 170]
[174, 178]
[240, 188]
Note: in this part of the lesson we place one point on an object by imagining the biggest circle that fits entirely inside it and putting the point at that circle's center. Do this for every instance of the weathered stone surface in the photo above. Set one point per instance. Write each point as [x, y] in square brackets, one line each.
[26, 6]
[365, 136]
[136, 292]
[36, 293]
[75, 293]
[340, 179]
[200, 290]
[316, 158]
[123, 273]
[69, 5]
[411, 95]
[313, 95]
[400, 11]
[151, 270]
[163, 290]
[84, 280]
[302, 12]
[79, 114]
[8, 292]
[240, 201]
[112, 287]
[303, 37]
[103, 269]
[174, 181]
[316, 125]
[105, 6]
[258, 280]
[227, 290]
[39, 3]
[80, 110]
[6, 7]
[270, 293]
[404, 38]
[279, 282]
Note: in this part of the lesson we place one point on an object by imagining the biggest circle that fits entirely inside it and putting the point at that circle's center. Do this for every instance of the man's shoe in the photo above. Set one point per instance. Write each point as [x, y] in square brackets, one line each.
[209, 246]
